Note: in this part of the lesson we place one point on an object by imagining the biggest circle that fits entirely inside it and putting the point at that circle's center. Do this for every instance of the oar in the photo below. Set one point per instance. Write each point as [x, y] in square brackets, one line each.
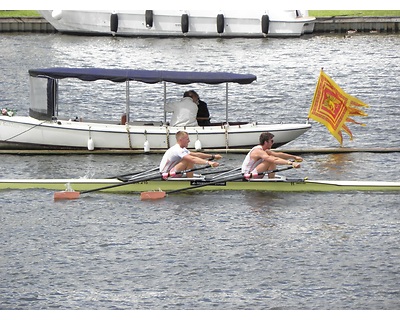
[71, 195]
[173, 174]
[154, 195]
[133, 174]
[136, 176]
[225, 172]
[219, 171]
[248, 176]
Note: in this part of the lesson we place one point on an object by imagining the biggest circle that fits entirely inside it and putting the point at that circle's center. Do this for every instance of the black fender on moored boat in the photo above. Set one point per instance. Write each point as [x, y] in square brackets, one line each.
[149, 18]
[114, 22]
[220, 23]
[185, 23]
[265, 24]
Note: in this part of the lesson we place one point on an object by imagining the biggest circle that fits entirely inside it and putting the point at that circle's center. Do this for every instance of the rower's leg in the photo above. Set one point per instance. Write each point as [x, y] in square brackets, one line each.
[185, 165]
[267, 166]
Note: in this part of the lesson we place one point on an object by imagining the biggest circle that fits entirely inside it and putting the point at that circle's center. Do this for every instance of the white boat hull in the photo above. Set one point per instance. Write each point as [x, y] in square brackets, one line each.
[23, 132]
[178, 23]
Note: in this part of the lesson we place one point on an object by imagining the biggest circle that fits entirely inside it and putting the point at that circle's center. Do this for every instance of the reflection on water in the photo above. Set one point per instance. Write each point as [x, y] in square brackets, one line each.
[261, 202]
[337, 163]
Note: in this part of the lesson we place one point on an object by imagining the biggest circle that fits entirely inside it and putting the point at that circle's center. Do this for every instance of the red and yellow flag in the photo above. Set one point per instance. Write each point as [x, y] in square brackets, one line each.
[333, 107]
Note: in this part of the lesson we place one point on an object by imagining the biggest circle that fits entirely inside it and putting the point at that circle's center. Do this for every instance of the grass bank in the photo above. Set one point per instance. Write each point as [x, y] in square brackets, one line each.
[18, 13]
[354, 13]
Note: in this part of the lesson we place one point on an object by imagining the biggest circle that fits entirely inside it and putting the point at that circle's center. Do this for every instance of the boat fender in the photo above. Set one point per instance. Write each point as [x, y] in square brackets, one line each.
[90, 144]
[56, 14]
[265, 24]
[197, 145]
[114, 22]
[146, 146]
[220, 23]
[185, 23]
[149, 18]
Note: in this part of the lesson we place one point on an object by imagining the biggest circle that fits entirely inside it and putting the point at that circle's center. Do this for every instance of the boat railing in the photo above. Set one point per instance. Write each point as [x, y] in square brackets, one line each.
[76, 119]
[233, 123]
[148, 123]
[116, 122]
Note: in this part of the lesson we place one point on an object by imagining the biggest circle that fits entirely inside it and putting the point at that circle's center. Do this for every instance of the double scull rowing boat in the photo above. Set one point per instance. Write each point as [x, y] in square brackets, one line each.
[270, 185]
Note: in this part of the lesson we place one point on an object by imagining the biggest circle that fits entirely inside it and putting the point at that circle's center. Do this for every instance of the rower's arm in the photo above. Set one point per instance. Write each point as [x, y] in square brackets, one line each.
[197, 160]
[285, 156]
[279, 158]
[206, 155]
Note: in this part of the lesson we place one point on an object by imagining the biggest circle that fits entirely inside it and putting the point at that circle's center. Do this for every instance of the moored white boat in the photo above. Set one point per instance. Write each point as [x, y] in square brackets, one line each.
[179, 23]
[45, 129]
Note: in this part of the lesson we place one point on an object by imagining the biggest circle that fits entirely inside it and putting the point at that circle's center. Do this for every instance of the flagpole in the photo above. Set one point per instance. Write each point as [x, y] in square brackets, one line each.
[315, 93]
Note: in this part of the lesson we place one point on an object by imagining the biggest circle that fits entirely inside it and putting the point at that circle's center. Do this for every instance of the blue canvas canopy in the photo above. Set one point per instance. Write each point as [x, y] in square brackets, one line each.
[44, 84]
[146, 76]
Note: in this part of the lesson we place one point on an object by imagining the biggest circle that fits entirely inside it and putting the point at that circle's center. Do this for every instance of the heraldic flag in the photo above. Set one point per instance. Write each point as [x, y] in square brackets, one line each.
[333, 107]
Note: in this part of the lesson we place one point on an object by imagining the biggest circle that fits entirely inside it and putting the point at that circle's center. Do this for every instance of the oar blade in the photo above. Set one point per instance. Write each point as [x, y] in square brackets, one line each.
[153, 195]
[66, 195]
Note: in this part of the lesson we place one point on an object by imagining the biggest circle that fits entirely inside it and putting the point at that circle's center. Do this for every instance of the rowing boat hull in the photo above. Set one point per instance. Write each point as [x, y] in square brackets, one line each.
[290, 185]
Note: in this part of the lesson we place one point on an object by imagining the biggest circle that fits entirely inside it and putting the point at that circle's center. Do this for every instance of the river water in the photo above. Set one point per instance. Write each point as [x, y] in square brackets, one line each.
[208, 250]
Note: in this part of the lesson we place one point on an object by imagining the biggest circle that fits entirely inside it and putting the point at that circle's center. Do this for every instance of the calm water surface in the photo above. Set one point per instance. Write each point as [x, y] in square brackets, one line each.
[208, 250]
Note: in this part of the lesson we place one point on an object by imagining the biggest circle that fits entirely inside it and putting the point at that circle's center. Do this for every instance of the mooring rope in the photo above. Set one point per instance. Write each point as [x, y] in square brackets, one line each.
[129, 136]
[167, 131]
[29, 129]
[226, 137]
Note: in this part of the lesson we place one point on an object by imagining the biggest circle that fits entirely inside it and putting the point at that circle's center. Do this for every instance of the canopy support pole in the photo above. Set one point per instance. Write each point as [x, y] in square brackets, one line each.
[226, 101]
[56, 97]
[127, 102]
[165, 101]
